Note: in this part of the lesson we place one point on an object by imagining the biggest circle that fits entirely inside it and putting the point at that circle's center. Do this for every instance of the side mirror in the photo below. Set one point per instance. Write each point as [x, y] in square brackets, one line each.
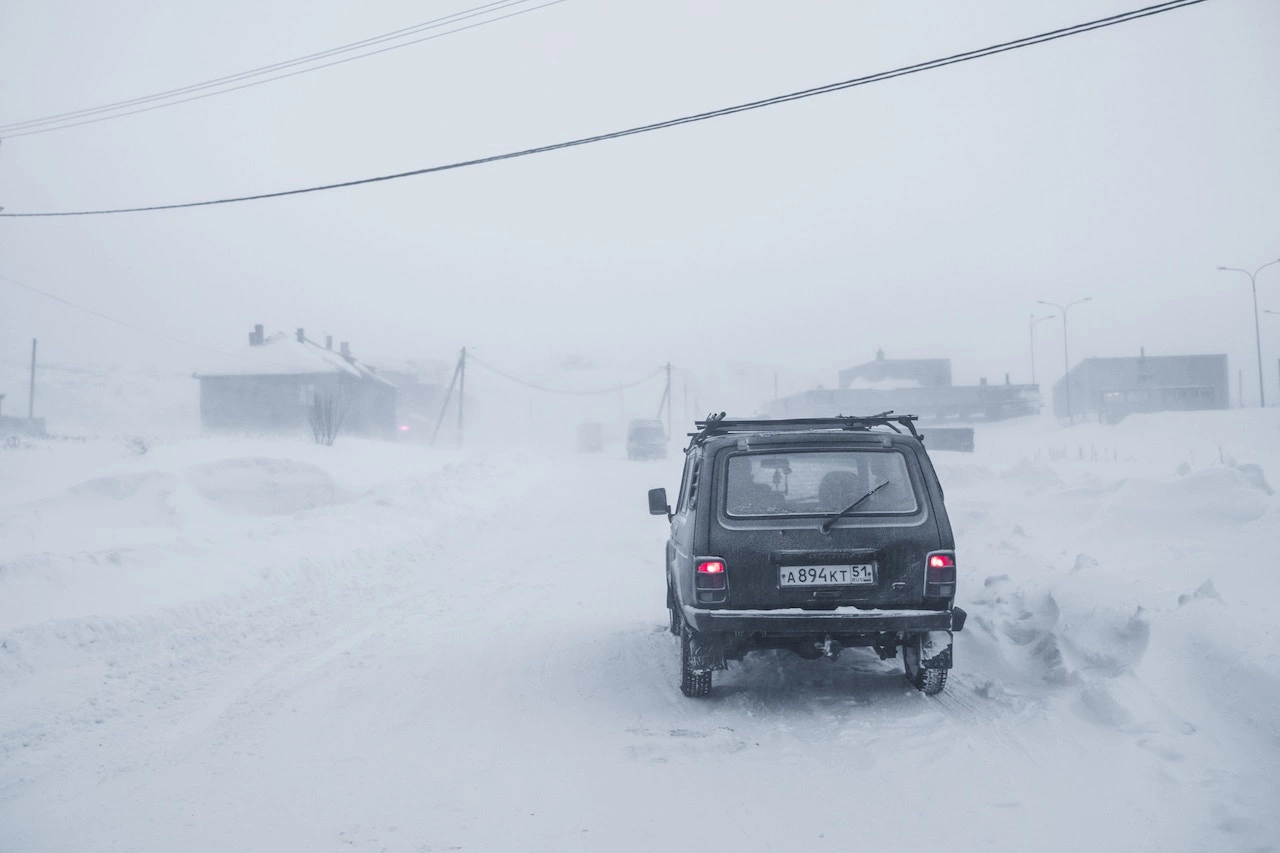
[658, 503]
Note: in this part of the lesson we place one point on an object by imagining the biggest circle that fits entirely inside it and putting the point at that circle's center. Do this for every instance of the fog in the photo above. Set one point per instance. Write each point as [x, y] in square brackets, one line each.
[925, 215]
[266, 585]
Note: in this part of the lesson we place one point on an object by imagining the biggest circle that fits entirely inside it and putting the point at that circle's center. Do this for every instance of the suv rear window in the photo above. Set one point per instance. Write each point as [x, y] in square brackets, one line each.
[818, 482]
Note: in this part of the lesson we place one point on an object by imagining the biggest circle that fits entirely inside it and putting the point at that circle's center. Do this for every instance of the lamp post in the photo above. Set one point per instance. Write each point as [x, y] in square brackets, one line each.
[1066, 361]
[1257, 329]
[1031, 326]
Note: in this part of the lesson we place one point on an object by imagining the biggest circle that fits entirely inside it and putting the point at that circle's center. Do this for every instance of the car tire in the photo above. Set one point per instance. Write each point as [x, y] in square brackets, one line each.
[930, 682]
[693, 682]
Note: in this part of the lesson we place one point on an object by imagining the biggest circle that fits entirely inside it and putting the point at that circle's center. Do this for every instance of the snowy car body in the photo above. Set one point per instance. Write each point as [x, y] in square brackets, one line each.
[766, 551]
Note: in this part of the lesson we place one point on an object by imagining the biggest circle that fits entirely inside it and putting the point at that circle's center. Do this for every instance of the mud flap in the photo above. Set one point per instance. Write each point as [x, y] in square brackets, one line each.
[706, 652]
[935, 650]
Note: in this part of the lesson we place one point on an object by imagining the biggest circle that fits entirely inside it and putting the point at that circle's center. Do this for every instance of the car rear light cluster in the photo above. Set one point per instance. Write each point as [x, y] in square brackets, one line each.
[711, 582]
[940, 575]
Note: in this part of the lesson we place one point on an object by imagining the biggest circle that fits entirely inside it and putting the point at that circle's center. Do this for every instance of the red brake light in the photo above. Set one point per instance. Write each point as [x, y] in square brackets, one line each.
[940, 575]
[710, 567]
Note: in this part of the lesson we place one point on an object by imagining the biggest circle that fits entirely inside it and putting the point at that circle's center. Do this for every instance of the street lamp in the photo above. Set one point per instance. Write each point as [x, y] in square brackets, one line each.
[1066, 361]
[1031, 326]
[1257, 330]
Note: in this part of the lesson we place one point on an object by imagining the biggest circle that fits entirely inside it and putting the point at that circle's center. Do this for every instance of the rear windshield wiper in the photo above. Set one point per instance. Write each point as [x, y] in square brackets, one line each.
[826, 525]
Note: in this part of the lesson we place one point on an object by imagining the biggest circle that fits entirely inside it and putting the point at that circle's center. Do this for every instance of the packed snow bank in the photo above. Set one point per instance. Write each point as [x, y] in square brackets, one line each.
[265, 486]
[232, 644]
[184, 522]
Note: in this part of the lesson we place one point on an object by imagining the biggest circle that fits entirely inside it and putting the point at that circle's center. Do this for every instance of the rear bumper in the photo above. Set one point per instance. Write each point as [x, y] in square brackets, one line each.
[842, 620]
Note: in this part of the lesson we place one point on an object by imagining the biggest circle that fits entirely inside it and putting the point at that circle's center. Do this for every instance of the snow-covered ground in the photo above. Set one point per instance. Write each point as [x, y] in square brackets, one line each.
[240, 644]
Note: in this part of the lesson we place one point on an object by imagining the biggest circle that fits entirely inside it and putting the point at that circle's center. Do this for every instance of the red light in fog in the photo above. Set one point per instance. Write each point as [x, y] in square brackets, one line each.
[942, 561]
[711, 567]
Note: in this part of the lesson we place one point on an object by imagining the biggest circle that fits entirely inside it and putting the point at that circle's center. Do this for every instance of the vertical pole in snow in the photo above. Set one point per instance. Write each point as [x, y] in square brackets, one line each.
[462, 389]
[31, 396]
[444, 407]
[1066, 368]
[668, 394]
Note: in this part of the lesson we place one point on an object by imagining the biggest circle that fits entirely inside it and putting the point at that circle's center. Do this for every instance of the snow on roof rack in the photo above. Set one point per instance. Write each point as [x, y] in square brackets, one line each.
[720, 425]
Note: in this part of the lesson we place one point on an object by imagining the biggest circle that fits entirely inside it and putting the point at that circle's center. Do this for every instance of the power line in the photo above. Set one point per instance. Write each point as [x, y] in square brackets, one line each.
[138, 328]
[802, 94]
[256, 71]
[221, 85]
[569, 393]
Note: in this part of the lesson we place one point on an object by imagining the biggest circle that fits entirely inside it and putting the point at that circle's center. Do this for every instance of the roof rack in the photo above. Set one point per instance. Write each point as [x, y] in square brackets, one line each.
[720, 425]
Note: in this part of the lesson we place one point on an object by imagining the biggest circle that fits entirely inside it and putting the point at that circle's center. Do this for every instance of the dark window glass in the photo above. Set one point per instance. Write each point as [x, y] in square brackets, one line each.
[819, 483]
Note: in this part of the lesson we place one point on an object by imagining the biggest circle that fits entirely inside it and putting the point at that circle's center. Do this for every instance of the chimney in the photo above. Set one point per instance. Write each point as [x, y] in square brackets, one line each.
[328, 341]
[982, 381]
[1006, 379]
[256, 336]
[302, 336]
[879, 355]
[346, 350]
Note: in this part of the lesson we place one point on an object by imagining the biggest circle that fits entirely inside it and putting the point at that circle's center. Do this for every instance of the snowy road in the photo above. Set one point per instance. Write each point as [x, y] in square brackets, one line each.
[474, 657]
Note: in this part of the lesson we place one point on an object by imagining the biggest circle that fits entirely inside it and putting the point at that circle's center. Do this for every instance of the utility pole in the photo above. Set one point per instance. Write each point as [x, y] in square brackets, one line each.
[1257, 328]
[665, 402]
[448, 395]
[462, 389]
[31, 396]
[668, 395]
[1066, 361]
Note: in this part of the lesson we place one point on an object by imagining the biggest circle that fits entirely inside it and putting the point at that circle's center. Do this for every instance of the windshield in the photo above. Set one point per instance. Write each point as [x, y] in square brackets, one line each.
[814, 482]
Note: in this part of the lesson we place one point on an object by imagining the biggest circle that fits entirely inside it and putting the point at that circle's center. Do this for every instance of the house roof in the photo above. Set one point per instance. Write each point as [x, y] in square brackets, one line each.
[283, 354]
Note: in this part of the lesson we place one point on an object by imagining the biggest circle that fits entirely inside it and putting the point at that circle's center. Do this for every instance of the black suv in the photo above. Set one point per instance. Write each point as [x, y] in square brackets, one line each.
[810, 535]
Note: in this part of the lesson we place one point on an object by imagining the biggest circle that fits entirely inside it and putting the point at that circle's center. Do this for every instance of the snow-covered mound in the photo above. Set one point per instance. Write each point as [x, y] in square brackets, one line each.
[236, 644]
[266, 486]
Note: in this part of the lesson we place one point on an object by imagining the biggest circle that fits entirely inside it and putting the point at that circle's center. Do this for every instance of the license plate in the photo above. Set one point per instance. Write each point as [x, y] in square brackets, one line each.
[861, 574]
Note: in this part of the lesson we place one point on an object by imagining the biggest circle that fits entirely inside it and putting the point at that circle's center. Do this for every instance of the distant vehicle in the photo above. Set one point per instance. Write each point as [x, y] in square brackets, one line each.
[810, 535]
[646, 439]
[590, 437]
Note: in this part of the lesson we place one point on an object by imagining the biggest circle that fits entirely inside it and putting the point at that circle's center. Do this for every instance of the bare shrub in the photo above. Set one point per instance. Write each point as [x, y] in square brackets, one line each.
[325, 415]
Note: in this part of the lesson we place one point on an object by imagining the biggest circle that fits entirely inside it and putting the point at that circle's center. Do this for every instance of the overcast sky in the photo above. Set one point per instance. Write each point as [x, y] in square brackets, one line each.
[924, 215]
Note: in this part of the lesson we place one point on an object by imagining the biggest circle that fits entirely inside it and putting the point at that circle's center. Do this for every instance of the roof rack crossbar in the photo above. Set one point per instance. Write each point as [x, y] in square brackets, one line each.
[720, 425]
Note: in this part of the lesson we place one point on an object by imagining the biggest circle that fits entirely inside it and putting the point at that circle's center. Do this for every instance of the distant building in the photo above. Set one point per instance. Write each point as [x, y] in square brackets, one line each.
[1108, 389]
[20, 426]
[418, 399]
[915, 386]
[920, 372]
[272, 388]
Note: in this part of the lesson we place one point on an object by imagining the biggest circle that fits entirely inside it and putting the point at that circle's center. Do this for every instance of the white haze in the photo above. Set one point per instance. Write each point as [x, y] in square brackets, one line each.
[924, 215]
[222, 642]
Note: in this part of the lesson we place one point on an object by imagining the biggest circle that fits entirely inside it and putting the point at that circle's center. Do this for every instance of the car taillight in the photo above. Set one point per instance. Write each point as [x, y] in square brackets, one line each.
[711, 582]
[940, 575]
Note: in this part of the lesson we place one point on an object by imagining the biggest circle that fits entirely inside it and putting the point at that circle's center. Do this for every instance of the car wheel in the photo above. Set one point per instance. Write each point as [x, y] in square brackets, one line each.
[928, 681]
[693, 682]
